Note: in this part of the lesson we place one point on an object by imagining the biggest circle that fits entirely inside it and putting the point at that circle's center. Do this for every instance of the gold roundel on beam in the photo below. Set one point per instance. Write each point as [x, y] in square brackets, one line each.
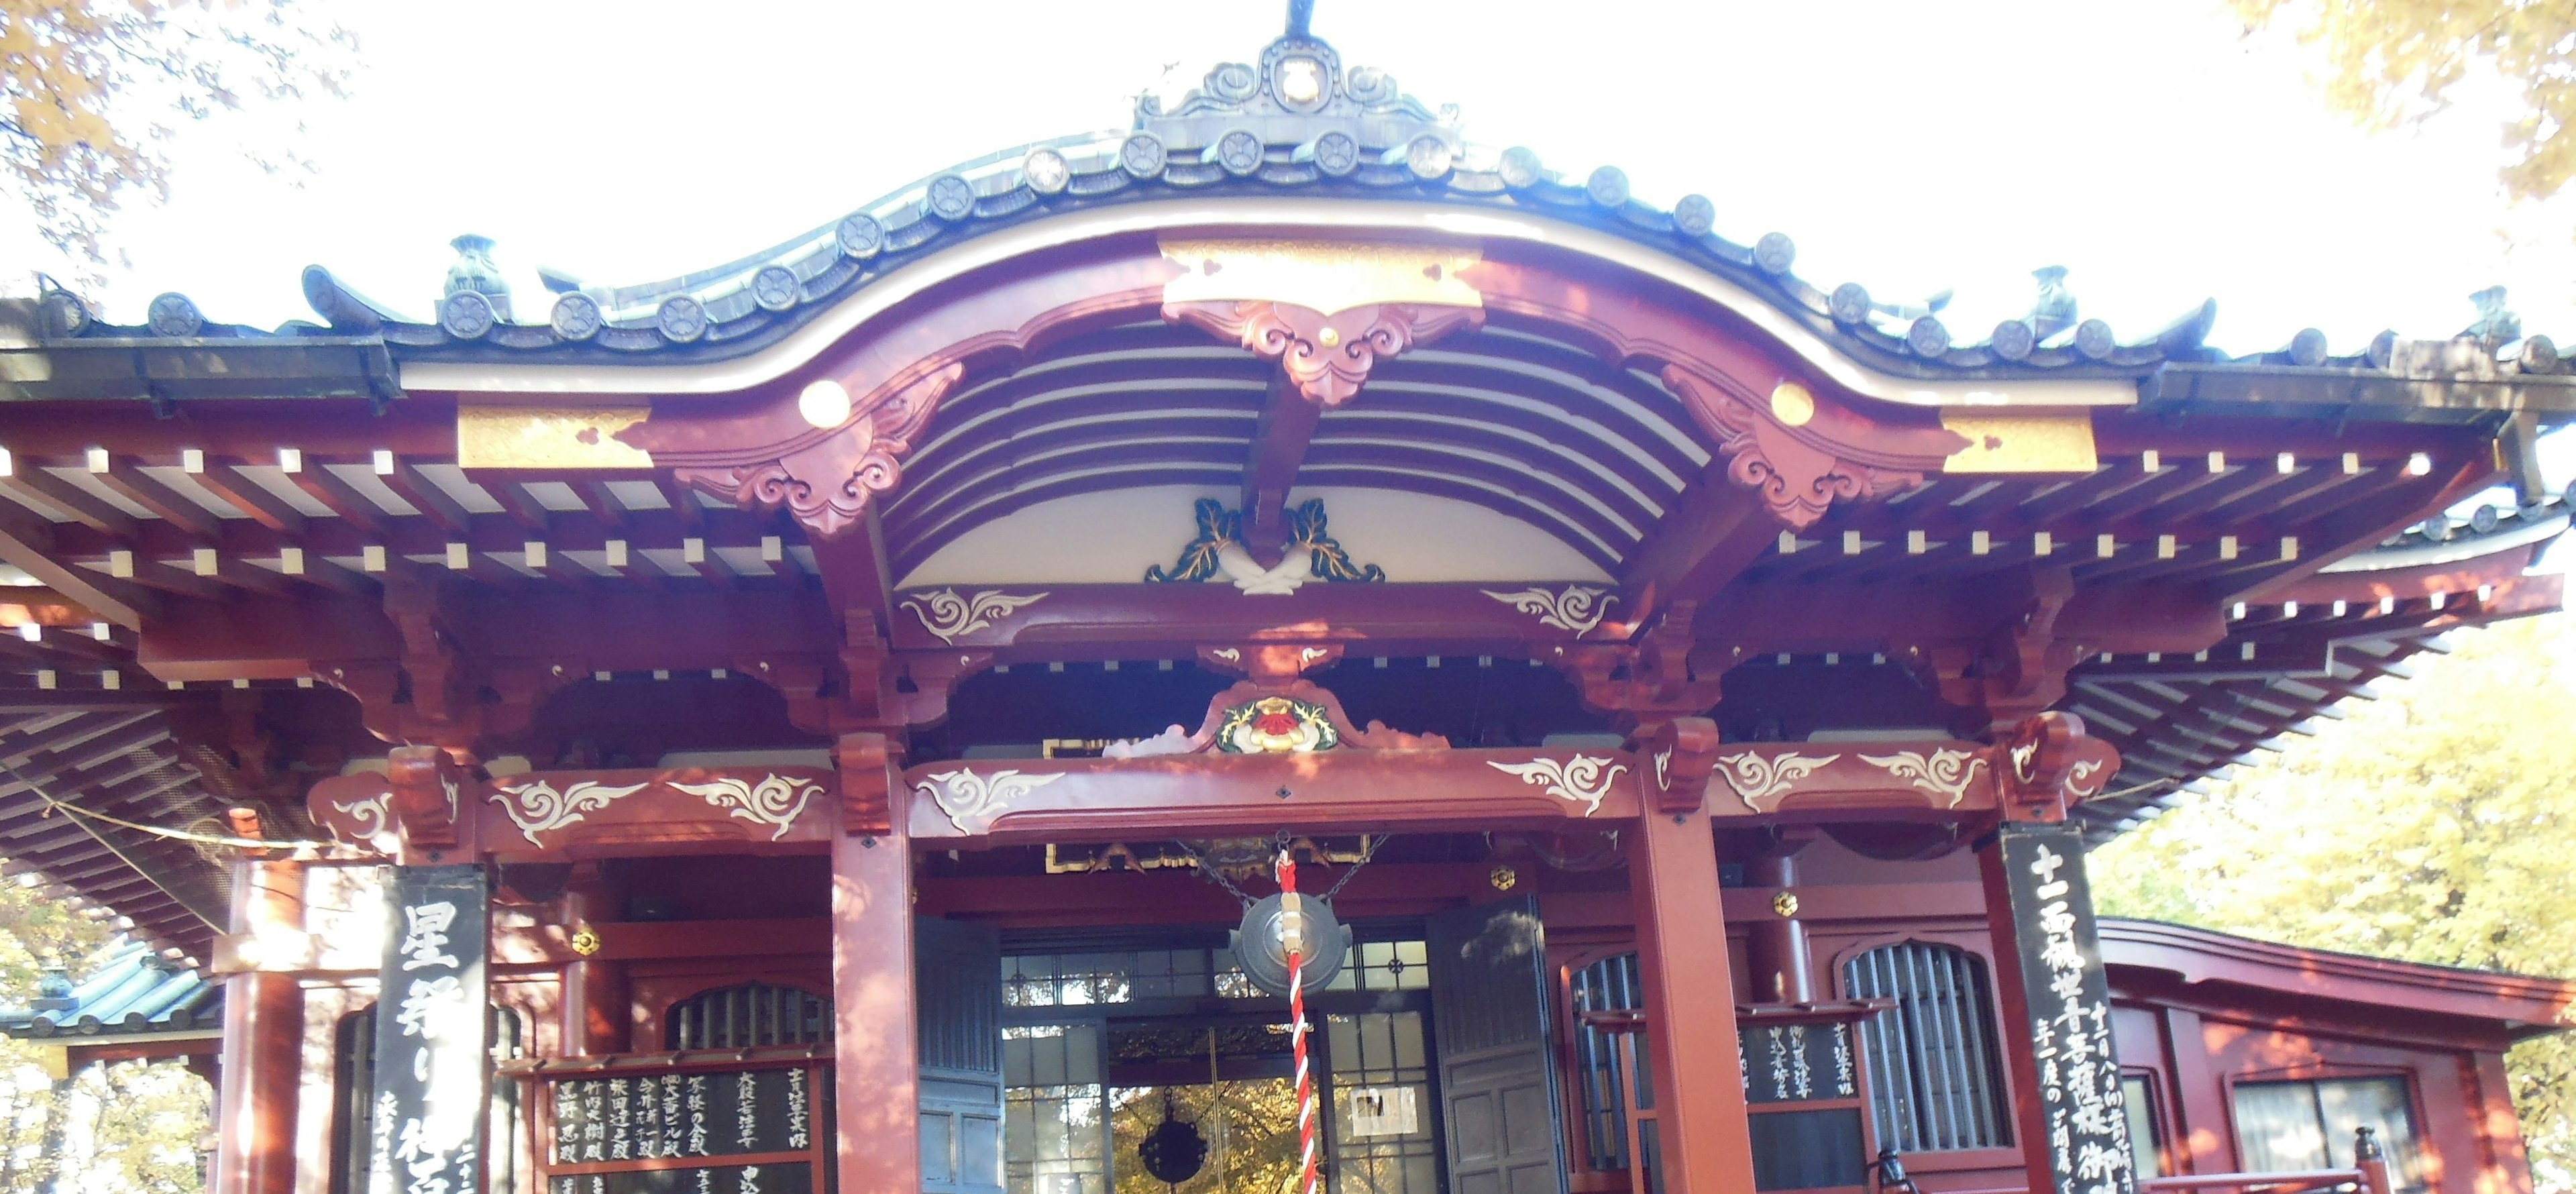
[825, 404]
[1792, 404]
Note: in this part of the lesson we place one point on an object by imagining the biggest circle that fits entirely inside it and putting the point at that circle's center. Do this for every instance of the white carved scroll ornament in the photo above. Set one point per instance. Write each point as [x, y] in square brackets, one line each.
[1583, 779]
[1576, 608]
[947, 614]
[1947, 773]
[776, 801]
[1753, 775]
[973, 800]
[368, 814]
[536, 807]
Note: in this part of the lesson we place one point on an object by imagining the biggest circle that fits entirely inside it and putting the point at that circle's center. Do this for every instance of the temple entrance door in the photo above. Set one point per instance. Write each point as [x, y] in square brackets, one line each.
[957, 990]
[1489, 980]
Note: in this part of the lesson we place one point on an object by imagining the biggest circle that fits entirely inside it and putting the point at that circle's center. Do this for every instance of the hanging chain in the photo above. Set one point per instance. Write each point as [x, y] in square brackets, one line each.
[1213, 875]
[1368, 850]
[1369, 844]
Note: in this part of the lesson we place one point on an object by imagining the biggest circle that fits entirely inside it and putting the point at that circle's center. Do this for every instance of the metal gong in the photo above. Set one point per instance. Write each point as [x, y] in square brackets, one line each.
[1259, 949]
[1173, 1152]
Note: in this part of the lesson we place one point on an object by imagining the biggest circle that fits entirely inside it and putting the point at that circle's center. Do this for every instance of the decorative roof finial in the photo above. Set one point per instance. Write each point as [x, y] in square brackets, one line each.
[1301, 18]
[2054, 311]
[476, 297]
[473, 270]
[2497, 324]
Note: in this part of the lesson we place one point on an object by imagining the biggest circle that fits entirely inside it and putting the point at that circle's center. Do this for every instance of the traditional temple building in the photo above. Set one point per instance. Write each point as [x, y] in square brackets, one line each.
[837, 719]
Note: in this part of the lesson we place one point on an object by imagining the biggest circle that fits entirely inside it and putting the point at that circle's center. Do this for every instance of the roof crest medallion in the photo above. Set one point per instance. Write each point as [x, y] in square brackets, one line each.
[1300, 99]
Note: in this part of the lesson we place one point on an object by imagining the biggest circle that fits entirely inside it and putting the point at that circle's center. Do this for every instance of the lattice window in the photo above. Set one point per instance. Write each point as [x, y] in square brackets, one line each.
[748, 1016]
[1935, 1077]
[1612, 984]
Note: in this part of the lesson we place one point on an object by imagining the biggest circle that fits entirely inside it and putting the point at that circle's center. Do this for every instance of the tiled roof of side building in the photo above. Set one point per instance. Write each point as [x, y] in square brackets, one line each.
[133, 990]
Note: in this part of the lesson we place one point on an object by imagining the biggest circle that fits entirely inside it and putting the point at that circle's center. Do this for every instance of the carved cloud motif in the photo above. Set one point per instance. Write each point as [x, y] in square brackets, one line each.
[536, 807]
[973, 800]
[1576, 608]
[1947, 772]
[775, 801]
[1754, 776]
[1583, 779]
[1327, 357]
[943, 612]
[827, 484]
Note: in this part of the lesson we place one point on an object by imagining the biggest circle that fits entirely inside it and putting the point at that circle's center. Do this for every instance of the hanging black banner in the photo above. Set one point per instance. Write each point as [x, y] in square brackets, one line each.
[431, 1063]
[2056, 962]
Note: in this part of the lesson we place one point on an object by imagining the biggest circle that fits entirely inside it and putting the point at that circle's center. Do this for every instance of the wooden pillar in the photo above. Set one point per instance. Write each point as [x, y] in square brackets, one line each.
[1690, 1007]
[598, 1014]
[875, 1047]
[1783, 965]
[263, 1032]
[2056, 1005]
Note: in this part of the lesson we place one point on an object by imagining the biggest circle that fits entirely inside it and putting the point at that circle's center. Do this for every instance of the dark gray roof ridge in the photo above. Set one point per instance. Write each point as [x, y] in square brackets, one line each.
[1296, 122]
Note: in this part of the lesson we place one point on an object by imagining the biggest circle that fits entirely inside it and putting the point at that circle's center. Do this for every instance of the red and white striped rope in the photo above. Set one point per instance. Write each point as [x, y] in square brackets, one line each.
[1297, 1029]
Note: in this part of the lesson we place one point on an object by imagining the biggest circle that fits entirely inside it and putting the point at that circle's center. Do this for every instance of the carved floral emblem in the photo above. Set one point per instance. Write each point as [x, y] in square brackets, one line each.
[536, 807]
[775, 801]
[973, 800]
[1583, 779]
[1218, 551]
[1947, 773]
[947, 614]
[1276, 725]
[1578, 608]
[1754, 775]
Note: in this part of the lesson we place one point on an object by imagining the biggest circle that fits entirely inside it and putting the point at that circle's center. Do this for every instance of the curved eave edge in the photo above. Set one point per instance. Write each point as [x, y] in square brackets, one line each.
[827, 271]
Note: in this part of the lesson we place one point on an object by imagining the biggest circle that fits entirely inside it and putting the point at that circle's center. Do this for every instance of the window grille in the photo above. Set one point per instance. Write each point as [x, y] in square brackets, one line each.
[1612, 984]
[748, 1016]
[1935, 1077]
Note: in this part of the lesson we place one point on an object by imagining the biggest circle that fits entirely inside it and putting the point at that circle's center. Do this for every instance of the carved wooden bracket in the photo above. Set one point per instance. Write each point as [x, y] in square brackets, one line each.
[2021, 668]
[1802, 453]
[427, 787]
[1679, 755]
[1328, 357]
[2053, 765]
[871, 768]
[826, 483]
[1647, 682]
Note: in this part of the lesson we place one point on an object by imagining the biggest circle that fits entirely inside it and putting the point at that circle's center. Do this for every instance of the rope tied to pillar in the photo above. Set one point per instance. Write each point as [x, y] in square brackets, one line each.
[1292, 930]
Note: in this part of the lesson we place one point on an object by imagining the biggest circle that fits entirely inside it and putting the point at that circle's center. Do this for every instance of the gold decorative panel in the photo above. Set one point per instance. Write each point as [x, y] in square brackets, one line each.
[1322, 276]
[548, 437]
[2020, 443]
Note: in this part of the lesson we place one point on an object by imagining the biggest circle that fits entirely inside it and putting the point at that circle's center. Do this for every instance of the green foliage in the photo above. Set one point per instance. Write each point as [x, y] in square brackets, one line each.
[90, 90]
[1250, 1127]
[2389, 62]
[2435, 824]
[127, 1126]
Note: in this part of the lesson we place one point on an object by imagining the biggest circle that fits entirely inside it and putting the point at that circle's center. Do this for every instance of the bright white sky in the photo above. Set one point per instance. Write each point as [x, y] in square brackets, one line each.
[2151, 147]
[1911, 147]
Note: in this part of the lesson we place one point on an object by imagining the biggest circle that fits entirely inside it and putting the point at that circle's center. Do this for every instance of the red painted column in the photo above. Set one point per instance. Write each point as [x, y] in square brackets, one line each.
[1690, 1007]
[876, 1048]
[263, 1033]
[598, 1016]
[1782, 963]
